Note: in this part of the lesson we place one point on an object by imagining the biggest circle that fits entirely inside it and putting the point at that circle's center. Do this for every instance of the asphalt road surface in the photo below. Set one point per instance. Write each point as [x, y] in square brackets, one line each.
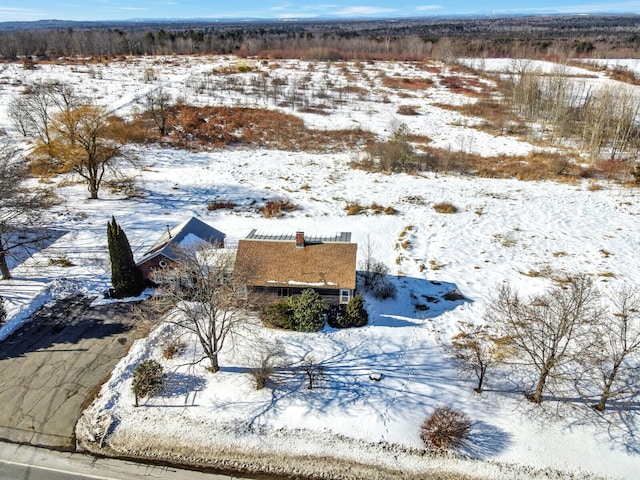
[53, 364]
[22, 462]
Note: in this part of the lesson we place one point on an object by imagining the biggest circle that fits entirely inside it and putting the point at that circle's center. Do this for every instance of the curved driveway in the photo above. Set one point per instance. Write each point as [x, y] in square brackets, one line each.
[52, 365]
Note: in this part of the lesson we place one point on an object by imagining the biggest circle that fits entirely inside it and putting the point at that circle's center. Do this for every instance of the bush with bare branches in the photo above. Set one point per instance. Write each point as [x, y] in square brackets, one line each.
[268, 357]
[446, 429]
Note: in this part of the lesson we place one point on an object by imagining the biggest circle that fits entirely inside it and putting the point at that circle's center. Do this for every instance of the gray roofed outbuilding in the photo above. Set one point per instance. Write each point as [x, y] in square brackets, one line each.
[172, 240]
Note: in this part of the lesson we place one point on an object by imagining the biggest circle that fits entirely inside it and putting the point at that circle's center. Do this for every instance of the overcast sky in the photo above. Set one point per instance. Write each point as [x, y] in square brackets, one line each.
[11, 10]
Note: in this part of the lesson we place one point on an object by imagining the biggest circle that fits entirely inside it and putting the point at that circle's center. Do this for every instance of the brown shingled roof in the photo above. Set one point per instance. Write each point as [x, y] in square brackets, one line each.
[280, 263]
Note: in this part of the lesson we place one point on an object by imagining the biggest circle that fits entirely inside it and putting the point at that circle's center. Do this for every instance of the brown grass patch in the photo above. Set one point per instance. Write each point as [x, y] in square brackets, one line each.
[277, 208]
[445, 207]
[405, 83]
[354, 208]
[534, 166]
[221, 205]
[407, 110]
[353, 90]
[61, 261]
[219, 126]
[623, 74]
[469, 86]
[500, 120]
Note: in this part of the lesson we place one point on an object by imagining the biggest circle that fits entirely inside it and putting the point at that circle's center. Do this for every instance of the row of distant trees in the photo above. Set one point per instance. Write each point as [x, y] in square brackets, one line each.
[408, 39]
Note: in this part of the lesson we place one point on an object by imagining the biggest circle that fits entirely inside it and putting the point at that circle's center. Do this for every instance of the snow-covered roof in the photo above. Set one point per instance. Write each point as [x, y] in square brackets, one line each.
[344, 237]
[185, 235]
[279, 262]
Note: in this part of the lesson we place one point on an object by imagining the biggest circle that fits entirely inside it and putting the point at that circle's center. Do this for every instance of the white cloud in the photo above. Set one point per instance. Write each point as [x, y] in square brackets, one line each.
[628, 6]
[284, 16]
[281, 7]
[364, 11]
[424, 8]
[16, 14]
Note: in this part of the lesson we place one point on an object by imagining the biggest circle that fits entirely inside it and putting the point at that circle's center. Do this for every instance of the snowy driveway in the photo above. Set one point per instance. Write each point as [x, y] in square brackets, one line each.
[52, 364]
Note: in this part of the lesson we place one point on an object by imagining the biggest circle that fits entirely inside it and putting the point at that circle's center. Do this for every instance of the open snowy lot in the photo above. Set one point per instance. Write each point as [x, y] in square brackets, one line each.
[524, 233]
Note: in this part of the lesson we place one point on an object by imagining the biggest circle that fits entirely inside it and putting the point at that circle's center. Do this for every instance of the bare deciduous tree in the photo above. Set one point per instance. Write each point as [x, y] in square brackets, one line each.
[20, 208]
[207, 296]
[619, 341]
[549, 330]
[313, 370]
[80, 142]
[478, 349]
[158, 106]
[33, 112]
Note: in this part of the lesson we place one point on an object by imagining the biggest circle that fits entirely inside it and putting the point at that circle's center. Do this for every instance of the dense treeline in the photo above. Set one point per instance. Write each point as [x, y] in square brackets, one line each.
[560, 36]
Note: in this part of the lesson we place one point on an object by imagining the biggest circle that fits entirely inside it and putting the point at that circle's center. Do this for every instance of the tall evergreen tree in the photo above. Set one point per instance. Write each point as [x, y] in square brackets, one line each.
[126, 279]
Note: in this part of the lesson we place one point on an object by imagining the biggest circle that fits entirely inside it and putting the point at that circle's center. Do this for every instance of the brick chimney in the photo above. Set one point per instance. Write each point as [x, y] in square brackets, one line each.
[299, 239]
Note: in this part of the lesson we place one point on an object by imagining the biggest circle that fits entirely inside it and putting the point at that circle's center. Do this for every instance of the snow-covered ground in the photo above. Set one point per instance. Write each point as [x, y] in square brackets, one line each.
[505, 231]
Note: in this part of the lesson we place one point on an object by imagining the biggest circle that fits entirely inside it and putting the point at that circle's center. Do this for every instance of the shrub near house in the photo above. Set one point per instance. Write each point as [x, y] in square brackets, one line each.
[302, 313]
[305, 313]
[353, 314]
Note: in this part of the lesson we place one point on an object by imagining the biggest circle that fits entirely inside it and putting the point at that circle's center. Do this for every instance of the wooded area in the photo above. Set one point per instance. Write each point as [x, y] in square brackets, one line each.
[409, 39]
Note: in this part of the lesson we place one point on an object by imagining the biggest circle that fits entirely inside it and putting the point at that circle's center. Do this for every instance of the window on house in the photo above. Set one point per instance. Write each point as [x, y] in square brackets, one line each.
[283, 292]
[345, 296]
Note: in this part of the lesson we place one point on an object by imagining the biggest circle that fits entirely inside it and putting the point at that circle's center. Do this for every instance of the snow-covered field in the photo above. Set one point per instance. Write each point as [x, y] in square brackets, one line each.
[505, 231]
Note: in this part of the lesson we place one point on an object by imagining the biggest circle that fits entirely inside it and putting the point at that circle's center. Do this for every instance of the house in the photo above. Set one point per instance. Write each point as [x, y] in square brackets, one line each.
[167, 249]
[283, 265]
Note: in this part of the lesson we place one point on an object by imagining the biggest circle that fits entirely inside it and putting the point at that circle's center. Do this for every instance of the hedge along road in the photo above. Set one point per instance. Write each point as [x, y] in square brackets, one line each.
[52, 365]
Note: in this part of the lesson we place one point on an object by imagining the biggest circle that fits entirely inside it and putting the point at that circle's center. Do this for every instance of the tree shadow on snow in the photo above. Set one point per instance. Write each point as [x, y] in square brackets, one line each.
[619, 422]
[394, 380]
[486, 441]
[186, 197]
[183, 385]
[31, 241]
[416, 299]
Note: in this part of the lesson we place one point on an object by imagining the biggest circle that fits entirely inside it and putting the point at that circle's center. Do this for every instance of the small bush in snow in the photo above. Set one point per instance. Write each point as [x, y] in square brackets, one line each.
[374, 272]
[445, 429]
[384, 289]
[268, 358]
[147, 379]
[445, 207]
[278, 315]
[277, 208]
[453, 296]
[313, 370]
[172, 348]
[407, 110]
[354, 208]
[353, 314]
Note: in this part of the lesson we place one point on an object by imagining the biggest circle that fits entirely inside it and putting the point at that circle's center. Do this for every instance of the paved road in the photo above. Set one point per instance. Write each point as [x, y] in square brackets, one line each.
[22, 462]
[52, 365]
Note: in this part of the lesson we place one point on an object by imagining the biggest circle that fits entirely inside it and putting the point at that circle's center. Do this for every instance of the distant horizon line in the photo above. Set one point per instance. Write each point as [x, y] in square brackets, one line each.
[298, 19]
